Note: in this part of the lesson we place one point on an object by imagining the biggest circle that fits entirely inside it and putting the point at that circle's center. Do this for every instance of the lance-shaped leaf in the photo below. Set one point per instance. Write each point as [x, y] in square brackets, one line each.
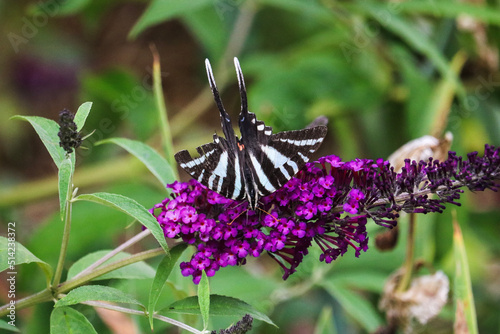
[149, 157]
[325, 323]
[97, 292]
[161, 11]
[65, 320]
[138, 270]
[398, 26]
[219, 305]
[164, 269]
[81, 115]
[65, 176]
[204, 299]
[354, 304]
[131, 208]
[47, 130]
[6, 326]
[13, 254]
[465, 312]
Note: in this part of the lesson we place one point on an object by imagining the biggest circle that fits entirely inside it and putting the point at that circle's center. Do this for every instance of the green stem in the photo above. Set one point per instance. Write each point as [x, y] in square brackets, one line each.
[112, 253]
[141, 313]
[47, 295]
[404, 283]
[75, 282]
[64, 245]
[37, 298]
[99, 173]
[162, 111]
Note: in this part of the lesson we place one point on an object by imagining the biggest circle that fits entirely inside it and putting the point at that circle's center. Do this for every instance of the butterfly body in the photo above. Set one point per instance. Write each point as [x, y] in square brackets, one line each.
[258, 163]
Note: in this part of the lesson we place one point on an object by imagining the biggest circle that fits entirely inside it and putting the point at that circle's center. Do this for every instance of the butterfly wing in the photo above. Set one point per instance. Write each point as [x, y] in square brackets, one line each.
[283, 155]
[273, 158]
[289, 151]
[217, 168]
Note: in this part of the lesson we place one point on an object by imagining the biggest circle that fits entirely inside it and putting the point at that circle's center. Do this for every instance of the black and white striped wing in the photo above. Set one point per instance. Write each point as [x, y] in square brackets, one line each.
[217, 168]
[284, 154]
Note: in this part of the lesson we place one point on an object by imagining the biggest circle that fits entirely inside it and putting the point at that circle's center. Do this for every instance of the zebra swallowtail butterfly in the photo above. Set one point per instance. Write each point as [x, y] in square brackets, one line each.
[258, 163]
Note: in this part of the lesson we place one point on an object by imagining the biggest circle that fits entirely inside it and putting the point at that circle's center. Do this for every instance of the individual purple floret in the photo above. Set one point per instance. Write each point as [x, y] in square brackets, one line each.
[328, 202]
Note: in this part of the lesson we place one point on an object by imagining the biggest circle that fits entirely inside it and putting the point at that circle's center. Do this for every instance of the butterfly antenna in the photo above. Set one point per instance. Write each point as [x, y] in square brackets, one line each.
[241, 85]
[276, 219]
[213, 86]
[224, 117]
[238, 216]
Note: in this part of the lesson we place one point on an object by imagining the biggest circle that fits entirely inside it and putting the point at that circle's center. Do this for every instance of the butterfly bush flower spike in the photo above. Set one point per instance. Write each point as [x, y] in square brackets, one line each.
[69, 137]
[345, 195]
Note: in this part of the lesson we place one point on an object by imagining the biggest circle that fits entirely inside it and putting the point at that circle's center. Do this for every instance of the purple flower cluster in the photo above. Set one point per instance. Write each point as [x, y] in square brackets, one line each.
[328, 202]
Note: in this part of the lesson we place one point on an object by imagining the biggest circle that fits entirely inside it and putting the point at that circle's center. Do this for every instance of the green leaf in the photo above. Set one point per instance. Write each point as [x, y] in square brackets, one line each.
[161, 110]
[161, 11]
[325, 324]
[47, 130]
[138, 270]
[219, 305]
[149, 157]
[65, 320]
[369, 280]
[96, 292]
[215, 39]
[6, 326]
[65, 177]
[13, 254]
[464, 299]
[359, 308]
[311, 8]
[483, 13]
[72, 7]
[439, 107]
[131, 208]
[414, 39]
[204, 298]
[82, 113]
[419, 91]
[164, 269]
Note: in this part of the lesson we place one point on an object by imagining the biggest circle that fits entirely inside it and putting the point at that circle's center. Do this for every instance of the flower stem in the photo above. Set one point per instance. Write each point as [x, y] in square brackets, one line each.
[112, 253]
[37, 298]
[64, 244]
[75, 282]
[48, 294]
[162, 110]
[136, 312]
[410, 251]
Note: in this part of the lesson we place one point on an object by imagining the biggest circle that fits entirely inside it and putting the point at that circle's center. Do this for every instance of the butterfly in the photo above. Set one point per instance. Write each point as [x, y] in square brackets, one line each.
[258, 163]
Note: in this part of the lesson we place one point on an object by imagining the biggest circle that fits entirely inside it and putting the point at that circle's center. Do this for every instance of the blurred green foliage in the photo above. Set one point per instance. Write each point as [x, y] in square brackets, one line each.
[379, 70]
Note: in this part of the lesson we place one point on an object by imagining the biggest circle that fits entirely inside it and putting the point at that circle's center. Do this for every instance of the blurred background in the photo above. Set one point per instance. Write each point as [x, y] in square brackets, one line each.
[383, 72]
